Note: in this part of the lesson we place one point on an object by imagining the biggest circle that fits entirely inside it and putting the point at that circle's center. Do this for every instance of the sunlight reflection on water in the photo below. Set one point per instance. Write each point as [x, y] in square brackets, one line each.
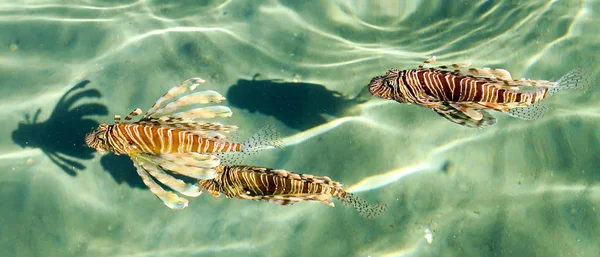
[512, 188]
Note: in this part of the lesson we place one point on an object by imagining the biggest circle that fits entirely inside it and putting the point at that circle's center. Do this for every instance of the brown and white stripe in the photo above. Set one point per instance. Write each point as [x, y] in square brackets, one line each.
[125, 137]
[424, 86]
[283, 188]
[279, 186]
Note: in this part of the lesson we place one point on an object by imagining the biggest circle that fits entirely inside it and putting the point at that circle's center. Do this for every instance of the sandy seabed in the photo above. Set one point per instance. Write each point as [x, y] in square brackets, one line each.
[519, 188]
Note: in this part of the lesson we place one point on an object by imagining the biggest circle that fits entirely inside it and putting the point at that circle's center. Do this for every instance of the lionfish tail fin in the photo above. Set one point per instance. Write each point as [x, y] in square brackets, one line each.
[266, 138]
[576, 79]
[363, 207]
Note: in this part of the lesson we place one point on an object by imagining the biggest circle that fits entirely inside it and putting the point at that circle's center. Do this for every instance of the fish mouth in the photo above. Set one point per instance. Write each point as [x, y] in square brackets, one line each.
[89, 139]
[376, 83]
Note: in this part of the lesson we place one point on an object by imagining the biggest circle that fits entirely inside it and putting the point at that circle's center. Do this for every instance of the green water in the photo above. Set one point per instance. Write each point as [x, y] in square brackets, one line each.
[519, 188]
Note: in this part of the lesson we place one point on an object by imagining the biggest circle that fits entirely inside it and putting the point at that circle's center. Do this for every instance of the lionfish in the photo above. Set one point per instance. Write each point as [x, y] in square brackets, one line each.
[463, 95]
[283, 188]
[167, 138]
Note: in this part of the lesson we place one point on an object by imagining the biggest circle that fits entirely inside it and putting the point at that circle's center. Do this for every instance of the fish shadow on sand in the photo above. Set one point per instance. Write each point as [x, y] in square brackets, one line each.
[298, 105]
[61, 136]
[121, 169]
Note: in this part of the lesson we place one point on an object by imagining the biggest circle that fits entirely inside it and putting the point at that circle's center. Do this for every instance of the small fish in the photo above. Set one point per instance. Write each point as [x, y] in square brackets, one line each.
[283, 188]
[168, 138]
[463, 95]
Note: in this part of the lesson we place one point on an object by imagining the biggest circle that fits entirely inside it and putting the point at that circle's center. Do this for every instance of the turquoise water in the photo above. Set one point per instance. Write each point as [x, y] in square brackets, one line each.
[519, 188]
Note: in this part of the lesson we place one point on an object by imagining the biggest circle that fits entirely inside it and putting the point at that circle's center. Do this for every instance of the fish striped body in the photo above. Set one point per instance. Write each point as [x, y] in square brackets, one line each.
[170, 138]
[279, 186]
[464, 96]
[152, 139]
[283, 188]
[427, 86]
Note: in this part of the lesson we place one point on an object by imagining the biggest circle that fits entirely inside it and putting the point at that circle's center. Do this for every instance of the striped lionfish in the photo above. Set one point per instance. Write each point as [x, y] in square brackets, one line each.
[169, 139]
[283, 188]
[463, 96]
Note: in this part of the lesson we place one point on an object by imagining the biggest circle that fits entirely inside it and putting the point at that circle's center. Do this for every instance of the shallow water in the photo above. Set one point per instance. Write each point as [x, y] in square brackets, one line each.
[519, 188]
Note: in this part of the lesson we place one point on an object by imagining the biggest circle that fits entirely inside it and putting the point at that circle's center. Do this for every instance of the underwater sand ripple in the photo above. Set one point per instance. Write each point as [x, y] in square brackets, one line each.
[141, 56]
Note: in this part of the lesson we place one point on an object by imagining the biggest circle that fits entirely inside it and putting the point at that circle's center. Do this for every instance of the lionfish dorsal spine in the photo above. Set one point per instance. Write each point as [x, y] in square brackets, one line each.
[202, 97]
[181, 88]
[133, 114]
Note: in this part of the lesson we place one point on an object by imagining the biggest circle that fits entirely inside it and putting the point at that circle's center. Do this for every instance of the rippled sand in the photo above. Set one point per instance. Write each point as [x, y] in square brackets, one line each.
[519, 188]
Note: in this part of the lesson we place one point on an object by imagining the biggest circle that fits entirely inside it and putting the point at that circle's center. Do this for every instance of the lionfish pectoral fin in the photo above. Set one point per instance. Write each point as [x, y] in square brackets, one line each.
[473, 113]
[192, 165]
[289, 199]
[283, 200]
[501, 107]
[150, 165]
[428, 101]
[324, 199]
[532, 112]
[317, 197]
[170, 199]
[463, 118]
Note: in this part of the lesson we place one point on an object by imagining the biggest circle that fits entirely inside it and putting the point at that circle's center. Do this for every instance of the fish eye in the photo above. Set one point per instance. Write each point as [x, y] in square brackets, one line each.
[388, 84]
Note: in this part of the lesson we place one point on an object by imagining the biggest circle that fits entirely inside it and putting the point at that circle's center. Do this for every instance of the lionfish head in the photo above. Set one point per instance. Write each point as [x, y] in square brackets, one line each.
[97, 138]
[379, 87]
[383, 86]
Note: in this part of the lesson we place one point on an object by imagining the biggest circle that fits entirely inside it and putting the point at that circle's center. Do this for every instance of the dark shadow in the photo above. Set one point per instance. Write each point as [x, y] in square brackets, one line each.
[299, 105]
[121, 169]
[61, 137]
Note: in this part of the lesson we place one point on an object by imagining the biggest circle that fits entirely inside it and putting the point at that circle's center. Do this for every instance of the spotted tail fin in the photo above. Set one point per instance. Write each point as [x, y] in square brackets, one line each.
[532, 112]
[267, 137]
[575, 79]
[363, 207]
